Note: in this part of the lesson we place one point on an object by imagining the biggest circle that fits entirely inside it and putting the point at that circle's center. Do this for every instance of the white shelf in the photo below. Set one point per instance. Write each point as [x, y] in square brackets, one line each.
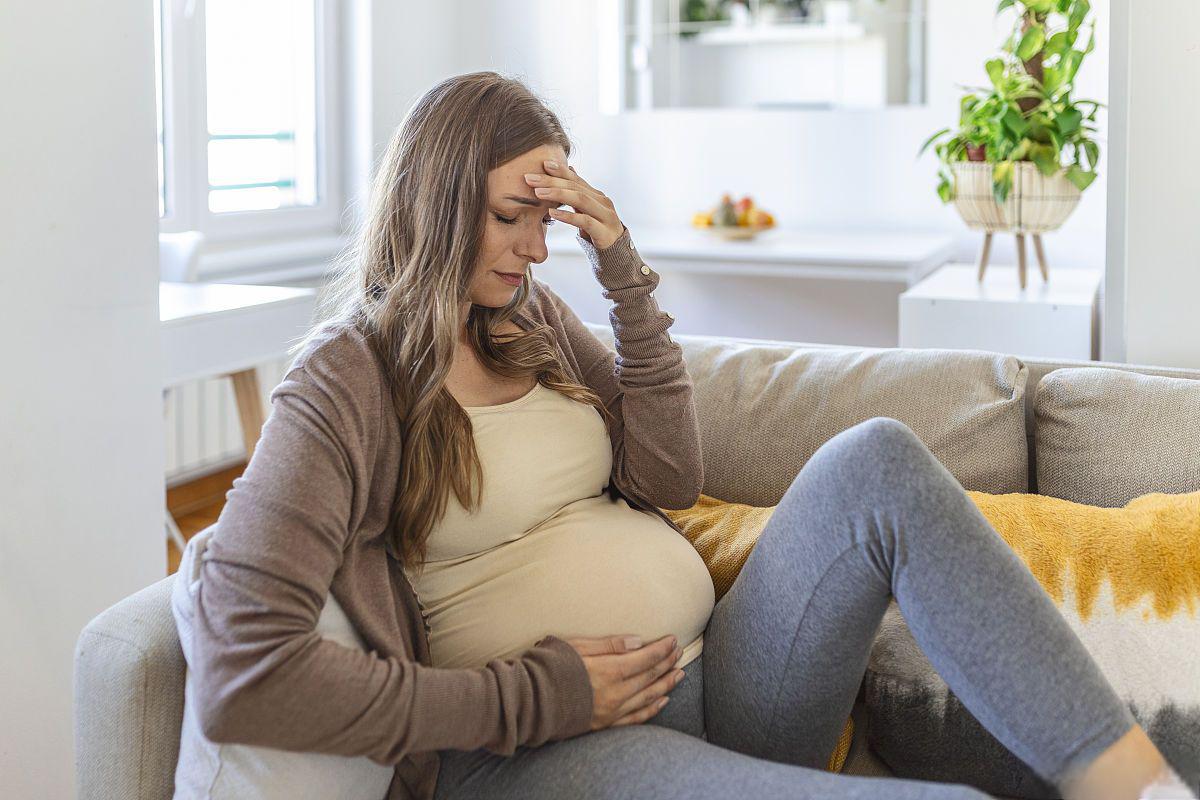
[780, 32]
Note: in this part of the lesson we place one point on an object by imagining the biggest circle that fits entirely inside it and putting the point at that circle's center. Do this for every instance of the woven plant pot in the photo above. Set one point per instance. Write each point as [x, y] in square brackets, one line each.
[1035, 204]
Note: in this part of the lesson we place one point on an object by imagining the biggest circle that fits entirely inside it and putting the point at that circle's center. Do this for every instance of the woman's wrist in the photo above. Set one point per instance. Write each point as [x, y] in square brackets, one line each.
[619, 266]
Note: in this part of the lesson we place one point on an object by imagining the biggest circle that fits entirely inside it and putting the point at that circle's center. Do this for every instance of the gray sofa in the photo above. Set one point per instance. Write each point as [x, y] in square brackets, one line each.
[764, 408]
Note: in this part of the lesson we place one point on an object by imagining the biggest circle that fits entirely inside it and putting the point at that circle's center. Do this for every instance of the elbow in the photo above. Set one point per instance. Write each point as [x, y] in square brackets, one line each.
[226, 711]
[685, 494]
[218, 715]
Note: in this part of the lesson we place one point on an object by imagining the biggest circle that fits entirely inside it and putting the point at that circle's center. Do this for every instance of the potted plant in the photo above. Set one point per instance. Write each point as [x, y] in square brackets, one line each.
[1023, 150]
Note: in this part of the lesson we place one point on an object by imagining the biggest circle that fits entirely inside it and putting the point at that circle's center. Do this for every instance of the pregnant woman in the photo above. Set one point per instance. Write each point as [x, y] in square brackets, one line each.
[477, 480]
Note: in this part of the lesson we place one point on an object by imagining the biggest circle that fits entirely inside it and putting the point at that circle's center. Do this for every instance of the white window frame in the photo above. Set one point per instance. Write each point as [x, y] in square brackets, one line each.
[242, 240]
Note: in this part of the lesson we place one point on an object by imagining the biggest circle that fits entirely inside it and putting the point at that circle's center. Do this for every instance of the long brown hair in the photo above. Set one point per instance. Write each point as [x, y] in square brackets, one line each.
[405, 276]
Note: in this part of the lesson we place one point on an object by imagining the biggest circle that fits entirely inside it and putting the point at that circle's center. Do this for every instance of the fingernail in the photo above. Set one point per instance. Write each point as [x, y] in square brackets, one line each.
[552, 164]
[663, 702]
[633, 642]
[532, 176]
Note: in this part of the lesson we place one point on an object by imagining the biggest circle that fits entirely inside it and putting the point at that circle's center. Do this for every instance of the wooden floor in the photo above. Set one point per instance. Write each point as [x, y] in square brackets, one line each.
[196, 505]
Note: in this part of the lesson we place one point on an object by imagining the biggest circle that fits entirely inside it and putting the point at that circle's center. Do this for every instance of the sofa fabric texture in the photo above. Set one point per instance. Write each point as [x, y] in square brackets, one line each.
[1106, 436]
[764, 408]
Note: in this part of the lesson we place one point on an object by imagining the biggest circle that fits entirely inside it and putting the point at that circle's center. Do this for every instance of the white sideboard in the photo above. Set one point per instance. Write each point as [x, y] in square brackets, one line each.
[835, 287]
[1055, 319]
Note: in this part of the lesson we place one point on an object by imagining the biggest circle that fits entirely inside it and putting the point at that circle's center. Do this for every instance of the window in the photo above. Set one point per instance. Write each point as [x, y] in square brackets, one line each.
[247, 138]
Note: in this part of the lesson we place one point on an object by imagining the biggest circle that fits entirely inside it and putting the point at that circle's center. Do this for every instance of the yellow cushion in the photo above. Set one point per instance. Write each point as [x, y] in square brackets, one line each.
[1158, 534]
[1149, 546]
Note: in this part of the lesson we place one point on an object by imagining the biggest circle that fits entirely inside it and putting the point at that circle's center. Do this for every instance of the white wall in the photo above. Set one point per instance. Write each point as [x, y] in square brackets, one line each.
[81, 442]
[1154, 260]
[830, 169]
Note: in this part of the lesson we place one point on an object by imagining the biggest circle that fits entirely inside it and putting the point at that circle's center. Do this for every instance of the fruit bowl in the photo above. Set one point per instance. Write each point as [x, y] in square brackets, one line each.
[733, 232]
[730, 220]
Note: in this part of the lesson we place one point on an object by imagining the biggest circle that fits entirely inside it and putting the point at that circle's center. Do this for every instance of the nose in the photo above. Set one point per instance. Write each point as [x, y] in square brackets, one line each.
[532, 246]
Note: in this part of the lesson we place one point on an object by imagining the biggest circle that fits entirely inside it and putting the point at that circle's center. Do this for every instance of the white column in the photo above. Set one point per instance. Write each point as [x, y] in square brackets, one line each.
[81, 430]
[1153, 271]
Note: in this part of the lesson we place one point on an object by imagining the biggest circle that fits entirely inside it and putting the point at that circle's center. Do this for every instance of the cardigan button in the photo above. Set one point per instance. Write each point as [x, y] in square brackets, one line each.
[645, 270]
[631, 244]
[669, 314]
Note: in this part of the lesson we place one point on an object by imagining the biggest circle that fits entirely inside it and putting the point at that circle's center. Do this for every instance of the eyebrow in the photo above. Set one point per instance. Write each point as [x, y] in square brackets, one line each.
[528, 201]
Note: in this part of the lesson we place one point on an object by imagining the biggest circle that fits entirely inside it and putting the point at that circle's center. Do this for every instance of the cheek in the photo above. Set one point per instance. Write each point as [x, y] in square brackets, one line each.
[498, 239]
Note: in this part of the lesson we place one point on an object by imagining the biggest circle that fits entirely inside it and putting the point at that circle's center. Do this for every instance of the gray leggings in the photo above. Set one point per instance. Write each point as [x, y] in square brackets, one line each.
[872, 515]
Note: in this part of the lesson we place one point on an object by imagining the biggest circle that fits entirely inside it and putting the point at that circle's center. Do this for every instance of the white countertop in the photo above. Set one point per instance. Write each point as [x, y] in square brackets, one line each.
[779, 245]
[185, 302]
[797, 252]
[211, 329]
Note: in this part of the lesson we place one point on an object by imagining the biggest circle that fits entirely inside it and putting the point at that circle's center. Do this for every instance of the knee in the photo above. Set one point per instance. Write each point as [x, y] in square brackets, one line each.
[875, 456]
[876, 440]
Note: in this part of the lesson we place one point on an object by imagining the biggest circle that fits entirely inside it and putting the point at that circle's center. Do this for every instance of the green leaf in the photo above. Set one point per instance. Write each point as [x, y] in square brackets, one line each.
[1092, 150]
[995, 71]
[1079, 177]
[1031, 42]
[1005, 4]
[1051, 80]
[929, 141]
[1002, 177]
[1078, 12]
[1068, 121]
[1037, 128]
[1045, 157]
[1057, 43]
[1071, 64]
[1015, 122]
[945, 191]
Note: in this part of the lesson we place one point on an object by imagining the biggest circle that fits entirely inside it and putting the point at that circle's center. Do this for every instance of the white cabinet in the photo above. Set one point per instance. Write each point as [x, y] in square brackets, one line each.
[1055, 319]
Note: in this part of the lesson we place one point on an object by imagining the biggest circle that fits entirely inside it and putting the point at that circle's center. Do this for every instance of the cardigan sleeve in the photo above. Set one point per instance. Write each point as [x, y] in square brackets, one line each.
[265, 677]
[644, 382]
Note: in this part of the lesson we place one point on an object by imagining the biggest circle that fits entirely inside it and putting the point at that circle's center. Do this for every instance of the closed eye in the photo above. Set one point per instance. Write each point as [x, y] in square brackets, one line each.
[513, 221]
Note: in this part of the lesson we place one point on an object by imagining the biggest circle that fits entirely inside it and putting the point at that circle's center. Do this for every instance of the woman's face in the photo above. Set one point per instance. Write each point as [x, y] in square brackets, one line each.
[514, 226]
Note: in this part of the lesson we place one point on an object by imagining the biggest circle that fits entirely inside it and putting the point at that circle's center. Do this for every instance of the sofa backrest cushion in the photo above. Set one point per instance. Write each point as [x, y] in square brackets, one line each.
[765, 407]
[1105, 436]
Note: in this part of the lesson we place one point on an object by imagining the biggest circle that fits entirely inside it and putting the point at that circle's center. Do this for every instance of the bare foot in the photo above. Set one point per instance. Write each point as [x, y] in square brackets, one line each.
[1119, 773]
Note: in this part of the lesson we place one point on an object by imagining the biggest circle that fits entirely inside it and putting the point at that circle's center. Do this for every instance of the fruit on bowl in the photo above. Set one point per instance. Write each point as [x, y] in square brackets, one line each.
[734, 220]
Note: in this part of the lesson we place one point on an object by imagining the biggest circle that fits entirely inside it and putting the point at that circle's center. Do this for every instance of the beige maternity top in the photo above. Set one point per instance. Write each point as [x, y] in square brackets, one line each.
[548, 552]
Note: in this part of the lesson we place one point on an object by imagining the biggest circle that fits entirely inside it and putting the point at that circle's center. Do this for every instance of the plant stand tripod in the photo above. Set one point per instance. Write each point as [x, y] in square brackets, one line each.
[1021, 263]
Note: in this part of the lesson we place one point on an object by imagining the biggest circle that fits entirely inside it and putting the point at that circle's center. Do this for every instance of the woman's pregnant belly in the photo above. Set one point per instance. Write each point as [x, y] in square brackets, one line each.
[594, 568]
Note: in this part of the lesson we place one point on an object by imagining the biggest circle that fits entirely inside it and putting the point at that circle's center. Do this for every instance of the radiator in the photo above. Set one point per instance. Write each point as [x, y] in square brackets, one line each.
[203, 431]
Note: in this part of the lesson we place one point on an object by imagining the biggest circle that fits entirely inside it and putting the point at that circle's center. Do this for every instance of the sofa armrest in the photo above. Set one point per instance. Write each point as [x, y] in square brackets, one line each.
[129, 685]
